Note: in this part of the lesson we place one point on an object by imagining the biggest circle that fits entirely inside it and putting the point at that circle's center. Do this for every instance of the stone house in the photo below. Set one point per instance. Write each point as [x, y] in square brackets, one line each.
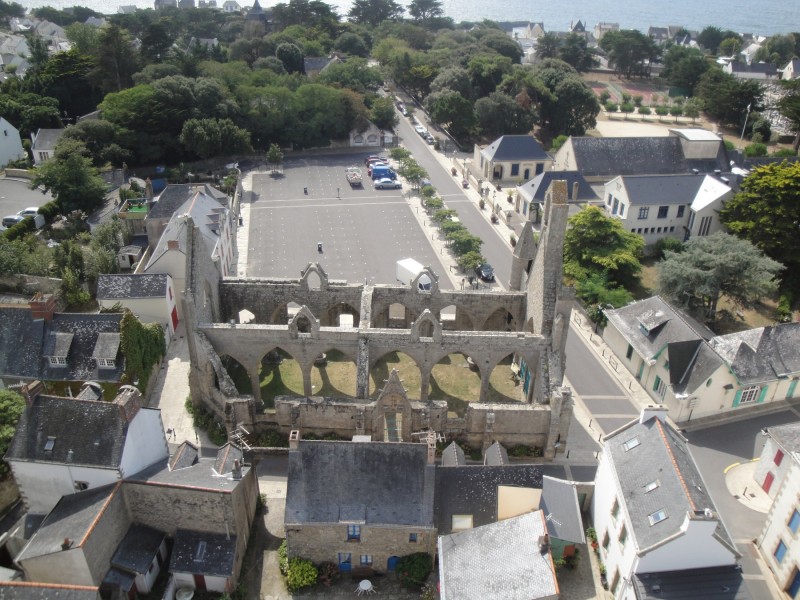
[43, 144]
[151, 298]
[660, 206]
[510, 159]
[600, 160]
[509, 559]
[167, 203]
[359, 517]
[10, 143]
[684, 366]
[778, 473]
[600, 29]
[530, 196]
[105, 536]
[66, 445]
[651, 510]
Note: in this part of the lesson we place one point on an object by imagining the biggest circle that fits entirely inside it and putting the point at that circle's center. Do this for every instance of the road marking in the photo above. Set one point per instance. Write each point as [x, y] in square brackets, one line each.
[729, 467]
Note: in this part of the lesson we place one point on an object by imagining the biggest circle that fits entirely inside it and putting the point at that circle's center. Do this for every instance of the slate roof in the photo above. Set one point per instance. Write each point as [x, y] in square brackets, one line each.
[26, 590]
[662, 189]
[20, 342]
[501, 560]
[453, 456]
[203, 553]
[122, 287]
[185, 456]
[226, 456]
[85, 432]
[119, 579]
[71, 518]
[787, 436]
[664, 323]
[199, 475]
[472, 490]
[495, 455]
[713, 583]
[691, 363]
[107, 345]
[661, 456]
[383, 484]
[57, 343]
[535, 189]
[609, 157]
[46, 139]
[138, 548]
[562, 512]
[315, 63]
[761, 354]
[765, 68]
[169, 200]
[85, 329]
[514, 147]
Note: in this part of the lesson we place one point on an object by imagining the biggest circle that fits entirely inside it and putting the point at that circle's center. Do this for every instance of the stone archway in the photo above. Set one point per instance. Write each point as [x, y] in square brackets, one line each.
[456, 379]
[504, 381]
[334, 374]
[408, 370]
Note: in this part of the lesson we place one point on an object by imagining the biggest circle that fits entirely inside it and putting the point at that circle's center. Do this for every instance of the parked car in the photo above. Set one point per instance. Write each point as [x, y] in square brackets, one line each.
[371, 158]
[31, 211]
[430, 139]
[376, 165]
[485, 272]
[12, 220]
[387, 184]
[420, 130]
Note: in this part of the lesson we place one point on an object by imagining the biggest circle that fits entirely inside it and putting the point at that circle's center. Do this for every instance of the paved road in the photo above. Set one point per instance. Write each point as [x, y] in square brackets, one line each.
[16, 195]
[449, 188]
[364, 231]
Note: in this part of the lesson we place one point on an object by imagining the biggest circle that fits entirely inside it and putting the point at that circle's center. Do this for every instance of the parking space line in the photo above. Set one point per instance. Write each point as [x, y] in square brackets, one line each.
[332, 206]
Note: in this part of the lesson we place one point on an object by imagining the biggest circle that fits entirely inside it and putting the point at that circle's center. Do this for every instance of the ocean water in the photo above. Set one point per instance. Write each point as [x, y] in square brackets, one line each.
[764, 17]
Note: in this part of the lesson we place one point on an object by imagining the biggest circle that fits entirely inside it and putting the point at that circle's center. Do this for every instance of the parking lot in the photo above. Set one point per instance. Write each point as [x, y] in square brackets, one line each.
[16, 195]
[363, 231]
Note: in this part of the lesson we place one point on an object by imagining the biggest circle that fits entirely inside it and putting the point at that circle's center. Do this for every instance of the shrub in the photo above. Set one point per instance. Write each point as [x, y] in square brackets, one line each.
[662, 111]
[605, 96]
[668, 243]
[729, 145]
[610, 107]
[202, 419]
[328, 573]
[676, 111]
[785, 307]
[300, 573]
[283, 558]
[756, 149]
[627, 108]
[784, 152]
[644, 110]
[626, 97]
[637, 100]
[521, 450]
[414, 568]
[272, 438]
[50, 210]
[559, 140]
[757, 138]
[20, 230]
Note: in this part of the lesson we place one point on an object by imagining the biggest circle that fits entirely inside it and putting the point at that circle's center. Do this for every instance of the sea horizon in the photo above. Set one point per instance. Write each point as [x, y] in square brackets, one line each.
[760, 17]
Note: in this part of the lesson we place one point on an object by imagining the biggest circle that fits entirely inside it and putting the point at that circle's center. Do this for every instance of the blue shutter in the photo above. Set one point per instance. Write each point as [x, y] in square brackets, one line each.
[763, 394]
[737, 398]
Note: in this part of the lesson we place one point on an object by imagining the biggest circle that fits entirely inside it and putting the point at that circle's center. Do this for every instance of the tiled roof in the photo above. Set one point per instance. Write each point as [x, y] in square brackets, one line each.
[501, 560]
[655, 471]
[121, 287]
[383, 484]
[83, 432]
[761, 354]
[203, 553]
[691, 363]
[514, 147]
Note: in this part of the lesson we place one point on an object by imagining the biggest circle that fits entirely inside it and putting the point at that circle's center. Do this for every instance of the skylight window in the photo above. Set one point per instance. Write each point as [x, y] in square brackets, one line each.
[657, 516]
[49, 444]
[631, 444]
[651, 486]
[201, 551]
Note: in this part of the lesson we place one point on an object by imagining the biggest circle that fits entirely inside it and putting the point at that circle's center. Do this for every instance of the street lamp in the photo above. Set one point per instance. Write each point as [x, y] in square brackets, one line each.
[741, 137]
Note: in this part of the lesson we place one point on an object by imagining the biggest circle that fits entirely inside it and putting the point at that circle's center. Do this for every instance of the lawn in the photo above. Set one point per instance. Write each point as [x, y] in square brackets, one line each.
[452, 379]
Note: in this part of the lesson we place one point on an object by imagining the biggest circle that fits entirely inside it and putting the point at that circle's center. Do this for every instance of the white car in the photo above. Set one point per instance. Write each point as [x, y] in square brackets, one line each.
[420, 130]
[31, 211]
[387, 184]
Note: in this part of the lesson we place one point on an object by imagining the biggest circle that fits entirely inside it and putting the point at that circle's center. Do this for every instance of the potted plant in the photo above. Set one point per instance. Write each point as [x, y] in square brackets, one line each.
[482, 203]
[513, 240]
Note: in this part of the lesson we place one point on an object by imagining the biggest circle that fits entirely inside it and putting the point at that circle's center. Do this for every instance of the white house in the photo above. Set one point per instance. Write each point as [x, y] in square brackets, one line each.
[151, 297]
[775, 463]
[684, 366]
[215, 224]
[659, 206]
[231, 6]
[651, 510]
[510, 159]
[752, 70]
[14, 44]
[10, 143]
[779, 541]
[791, 70]
[44, 144]
[66, 445]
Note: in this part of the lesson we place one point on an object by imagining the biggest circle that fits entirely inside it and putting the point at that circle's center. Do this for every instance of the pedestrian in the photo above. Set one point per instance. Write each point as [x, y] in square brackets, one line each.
[174, 434]
[196, 438]
[463, 281]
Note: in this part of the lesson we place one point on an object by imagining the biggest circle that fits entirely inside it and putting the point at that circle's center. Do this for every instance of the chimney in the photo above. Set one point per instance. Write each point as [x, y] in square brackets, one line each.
[43, 306]
[130, 400]
[66, 544]
[30, 391]
[575, 187]
[650, 411]
[294, 439]
[236, 472]
[173, 245]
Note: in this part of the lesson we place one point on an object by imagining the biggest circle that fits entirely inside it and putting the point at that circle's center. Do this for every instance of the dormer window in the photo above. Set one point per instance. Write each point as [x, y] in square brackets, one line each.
[644, 329]
[57, 361]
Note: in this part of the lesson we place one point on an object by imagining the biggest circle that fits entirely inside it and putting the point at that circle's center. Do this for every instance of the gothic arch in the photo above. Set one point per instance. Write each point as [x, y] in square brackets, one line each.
[295, 324]
[314, 268]
[426, 317]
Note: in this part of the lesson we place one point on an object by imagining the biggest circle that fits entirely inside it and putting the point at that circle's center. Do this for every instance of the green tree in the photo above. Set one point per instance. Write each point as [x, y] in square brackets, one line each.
[575, 52]
[355, 73]
[352, 44]
[454, 78]
[547, 46]
[70, 177]
[469, 261]
[595, 243]
[84, 38]
[716, 265]
[683, 67]
[727, 98]
[72, 289]
[766, 213]
[12, 405]
[692, 108]
[630, 51]
[66, 77]
[383, 114]
[156, 41]
[374, 12]
[789, 107]
[291, 56]
[730, 46]
[425, 10]
[571, 106]
[115, 60]
[453, 110]
[486, 71]
[498, 114]
[274, 157]
[214, 137]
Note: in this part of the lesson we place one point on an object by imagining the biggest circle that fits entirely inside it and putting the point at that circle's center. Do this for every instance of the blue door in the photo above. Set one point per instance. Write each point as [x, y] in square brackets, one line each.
[794, 586]
[391, 564]
[345, 563]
